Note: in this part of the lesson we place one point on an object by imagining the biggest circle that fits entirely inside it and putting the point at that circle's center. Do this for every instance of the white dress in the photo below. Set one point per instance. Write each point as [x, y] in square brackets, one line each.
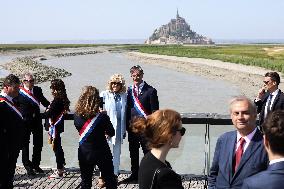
[116, 110]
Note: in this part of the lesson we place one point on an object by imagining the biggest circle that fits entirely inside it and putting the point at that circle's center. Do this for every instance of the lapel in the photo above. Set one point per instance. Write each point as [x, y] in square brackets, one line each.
[231, 145]
[144, 88]
[254, 144]
[275, 100]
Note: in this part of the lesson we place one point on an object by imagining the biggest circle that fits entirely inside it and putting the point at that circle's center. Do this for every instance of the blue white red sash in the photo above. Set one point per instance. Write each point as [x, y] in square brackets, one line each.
[88, 127]
[29, 95]
[11, 105]
[52, 128]
[137, 104]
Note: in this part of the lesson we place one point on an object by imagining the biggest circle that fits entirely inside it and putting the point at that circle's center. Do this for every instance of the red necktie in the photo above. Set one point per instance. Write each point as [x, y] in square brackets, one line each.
[239, 153]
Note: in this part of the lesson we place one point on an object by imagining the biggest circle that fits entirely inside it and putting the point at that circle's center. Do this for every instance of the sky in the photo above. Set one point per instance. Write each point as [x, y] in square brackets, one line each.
[43, 20]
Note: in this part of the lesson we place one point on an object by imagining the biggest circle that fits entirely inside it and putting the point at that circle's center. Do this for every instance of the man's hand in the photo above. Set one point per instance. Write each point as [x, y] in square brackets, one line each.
[260, 94]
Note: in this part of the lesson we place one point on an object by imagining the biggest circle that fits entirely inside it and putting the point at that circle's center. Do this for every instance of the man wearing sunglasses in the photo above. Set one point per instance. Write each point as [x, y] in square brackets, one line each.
[142, 100]
[241, 153]
[270, 97]
[30, 99]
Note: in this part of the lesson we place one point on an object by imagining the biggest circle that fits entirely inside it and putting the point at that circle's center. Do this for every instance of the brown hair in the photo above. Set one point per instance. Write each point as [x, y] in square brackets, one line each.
[11, 80]
[58, 91]
[88, 103]
[158, 127]
[273, 128]
[136, 68]
[274, 76]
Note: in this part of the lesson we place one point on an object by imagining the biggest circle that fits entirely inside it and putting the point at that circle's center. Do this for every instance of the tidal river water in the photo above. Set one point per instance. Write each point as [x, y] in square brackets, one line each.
[176, 90]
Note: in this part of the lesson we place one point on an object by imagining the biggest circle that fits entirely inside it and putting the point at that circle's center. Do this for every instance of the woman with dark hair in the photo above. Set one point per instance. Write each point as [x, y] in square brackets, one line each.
[163, 130]
[94, 127]
[55, 112]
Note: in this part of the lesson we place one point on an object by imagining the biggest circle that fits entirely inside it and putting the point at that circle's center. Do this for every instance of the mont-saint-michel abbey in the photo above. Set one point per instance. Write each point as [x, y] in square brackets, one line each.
[177, 31]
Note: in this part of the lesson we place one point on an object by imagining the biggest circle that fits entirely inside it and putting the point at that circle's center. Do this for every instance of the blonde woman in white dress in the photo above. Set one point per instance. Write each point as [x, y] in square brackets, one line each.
[115, 98]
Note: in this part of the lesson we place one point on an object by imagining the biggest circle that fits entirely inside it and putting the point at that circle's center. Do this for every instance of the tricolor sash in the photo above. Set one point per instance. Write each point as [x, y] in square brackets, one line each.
[11, 105]
[29, 95]
[137, 104]
[88, 127]
[52, 128]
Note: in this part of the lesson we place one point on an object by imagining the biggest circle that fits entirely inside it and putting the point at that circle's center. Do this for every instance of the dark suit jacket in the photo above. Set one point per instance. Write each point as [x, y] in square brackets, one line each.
[272, 178]
[31, 111]
[254, 160]
[278, 104]
[148, 98]
[96, 143]
[11, 126]
[11, 131]
[166, 179]
[54, 111]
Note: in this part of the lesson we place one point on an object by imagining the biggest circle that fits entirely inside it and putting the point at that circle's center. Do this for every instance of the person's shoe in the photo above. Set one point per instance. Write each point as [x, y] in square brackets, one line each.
[101, 182]
[56, 175]
[37, 169]
[131, 179]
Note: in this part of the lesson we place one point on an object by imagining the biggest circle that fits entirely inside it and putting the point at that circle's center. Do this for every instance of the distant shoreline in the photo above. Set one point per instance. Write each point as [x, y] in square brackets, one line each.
[247, 78]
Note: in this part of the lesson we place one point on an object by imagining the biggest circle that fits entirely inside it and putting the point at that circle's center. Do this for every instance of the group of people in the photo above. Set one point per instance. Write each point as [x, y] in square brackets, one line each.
[105, 118]
[252, 157]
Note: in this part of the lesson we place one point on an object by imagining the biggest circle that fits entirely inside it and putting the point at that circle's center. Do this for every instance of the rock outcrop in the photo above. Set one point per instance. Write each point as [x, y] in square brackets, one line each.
[40, 71]
[177, 31]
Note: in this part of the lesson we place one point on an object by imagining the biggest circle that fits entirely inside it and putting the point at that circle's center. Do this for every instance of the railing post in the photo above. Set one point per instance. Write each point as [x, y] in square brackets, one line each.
[207, 147]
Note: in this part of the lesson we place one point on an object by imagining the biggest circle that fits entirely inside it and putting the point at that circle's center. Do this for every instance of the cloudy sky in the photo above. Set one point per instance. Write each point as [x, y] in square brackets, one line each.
[38, 20]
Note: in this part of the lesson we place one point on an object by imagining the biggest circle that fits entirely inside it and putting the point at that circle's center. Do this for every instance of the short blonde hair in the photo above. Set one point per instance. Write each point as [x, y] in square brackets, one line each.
[119, 79]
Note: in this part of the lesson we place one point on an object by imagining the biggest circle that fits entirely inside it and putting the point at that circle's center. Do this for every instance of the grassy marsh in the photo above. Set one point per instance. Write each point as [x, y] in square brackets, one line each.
[266, 56]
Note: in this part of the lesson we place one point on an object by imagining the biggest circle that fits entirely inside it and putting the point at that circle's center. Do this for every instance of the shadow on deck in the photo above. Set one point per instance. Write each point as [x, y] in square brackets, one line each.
[72, 179]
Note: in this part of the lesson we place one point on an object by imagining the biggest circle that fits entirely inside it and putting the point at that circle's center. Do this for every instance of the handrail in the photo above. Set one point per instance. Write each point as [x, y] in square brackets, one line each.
[187, 118]
[194, 118]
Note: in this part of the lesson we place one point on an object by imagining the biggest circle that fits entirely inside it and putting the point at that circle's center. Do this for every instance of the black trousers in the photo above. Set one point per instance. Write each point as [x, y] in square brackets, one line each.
[7, 167]
[104, 162]
[135, 140]
[58, 151]
[37, 131]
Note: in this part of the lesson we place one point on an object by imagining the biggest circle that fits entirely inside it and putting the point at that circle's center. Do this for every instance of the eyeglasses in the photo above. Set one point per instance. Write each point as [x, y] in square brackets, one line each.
[32, 80]
[182, 131]
[115, 83]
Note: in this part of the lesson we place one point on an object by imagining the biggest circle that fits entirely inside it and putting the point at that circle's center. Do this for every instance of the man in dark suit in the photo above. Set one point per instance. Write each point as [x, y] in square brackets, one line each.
[11, 131]
[238, 154]
[270, 97]
[142, 100]
[273, 177]
[30, 99]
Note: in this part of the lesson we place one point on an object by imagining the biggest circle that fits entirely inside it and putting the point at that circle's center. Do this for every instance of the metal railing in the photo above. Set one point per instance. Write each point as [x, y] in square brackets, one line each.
[196, 118]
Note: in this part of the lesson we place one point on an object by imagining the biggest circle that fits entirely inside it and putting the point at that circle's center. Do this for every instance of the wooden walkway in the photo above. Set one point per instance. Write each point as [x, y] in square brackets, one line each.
[72, 180]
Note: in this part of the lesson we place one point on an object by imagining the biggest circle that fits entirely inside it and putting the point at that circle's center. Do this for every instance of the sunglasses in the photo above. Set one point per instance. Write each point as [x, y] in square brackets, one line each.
[115, 83]
[182, 131]
[266, 82]
[32, 80]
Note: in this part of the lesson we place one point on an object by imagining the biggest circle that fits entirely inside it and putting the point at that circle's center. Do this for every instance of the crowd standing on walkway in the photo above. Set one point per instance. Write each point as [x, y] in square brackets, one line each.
[243, 158]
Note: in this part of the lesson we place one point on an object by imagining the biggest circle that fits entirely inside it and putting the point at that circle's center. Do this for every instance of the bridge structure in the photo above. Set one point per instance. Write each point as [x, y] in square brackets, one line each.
[72, 178]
